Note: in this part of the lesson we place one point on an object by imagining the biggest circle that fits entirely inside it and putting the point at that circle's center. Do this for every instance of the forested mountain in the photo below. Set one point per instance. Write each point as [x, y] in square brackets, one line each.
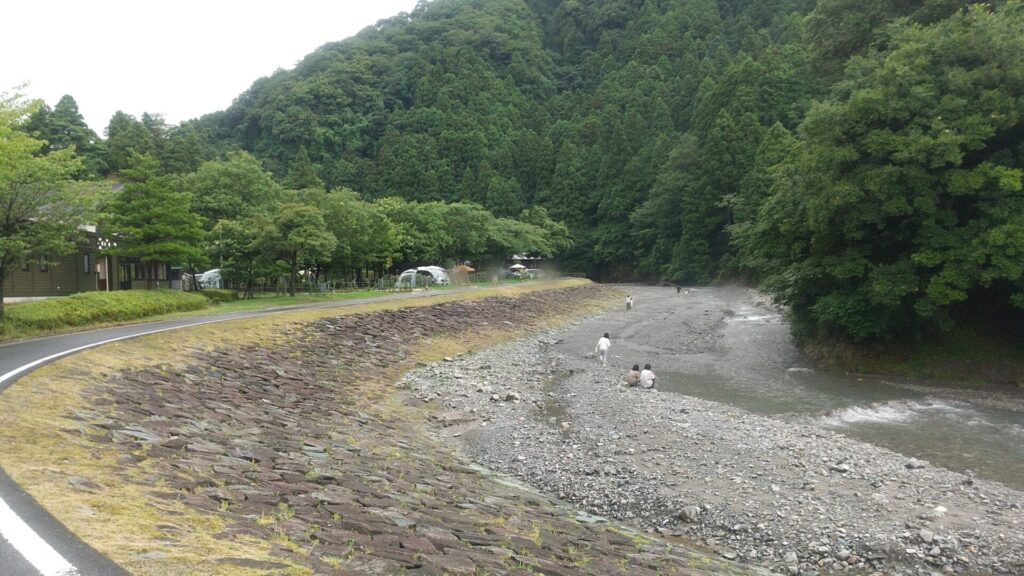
[861, 159]
[601, 111]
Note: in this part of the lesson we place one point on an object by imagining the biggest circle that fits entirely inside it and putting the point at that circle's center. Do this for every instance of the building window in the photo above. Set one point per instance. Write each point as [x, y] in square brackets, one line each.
[25, 266]
[44, 265]
[86, 263]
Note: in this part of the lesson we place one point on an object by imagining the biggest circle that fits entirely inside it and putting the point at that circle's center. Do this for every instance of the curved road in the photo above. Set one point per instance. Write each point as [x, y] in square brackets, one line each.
[34, 543]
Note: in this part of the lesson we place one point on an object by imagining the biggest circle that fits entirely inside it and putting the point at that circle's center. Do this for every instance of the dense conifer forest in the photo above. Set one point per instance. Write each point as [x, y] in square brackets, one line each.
[861, 160]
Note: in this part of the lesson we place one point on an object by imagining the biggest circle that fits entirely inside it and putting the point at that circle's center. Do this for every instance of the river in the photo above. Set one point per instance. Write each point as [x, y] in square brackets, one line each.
[750, 361]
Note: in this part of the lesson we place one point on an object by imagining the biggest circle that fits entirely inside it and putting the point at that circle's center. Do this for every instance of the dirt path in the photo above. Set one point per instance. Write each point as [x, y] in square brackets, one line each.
[786, 495]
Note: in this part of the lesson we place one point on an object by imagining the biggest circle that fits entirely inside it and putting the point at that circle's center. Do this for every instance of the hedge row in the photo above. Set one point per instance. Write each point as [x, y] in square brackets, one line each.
[100, 307]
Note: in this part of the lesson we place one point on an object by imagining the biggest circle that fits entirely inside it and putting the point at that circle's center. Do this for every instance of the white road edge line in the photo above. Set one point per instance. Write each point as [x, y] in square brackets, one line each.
[13, 529]
[38, 553]
[32, 365]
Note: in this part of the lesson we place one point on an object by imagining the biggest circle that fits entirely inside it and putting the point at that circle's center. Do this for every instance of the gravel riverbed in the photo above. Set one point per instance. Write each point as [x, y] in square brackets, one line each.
[790, 496]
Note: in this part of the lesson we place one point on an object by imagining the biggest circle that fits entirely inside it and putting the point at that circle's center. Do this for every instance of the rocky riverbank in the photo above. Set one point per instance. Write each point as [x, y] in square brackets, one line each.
[788, 496]
[309, 451]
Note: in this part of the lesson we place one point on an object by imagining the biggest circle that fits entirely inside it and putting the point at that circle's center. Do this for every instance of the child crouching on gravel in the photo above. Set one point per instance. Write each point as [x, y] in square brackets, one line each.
[633, 378]
[647, 378]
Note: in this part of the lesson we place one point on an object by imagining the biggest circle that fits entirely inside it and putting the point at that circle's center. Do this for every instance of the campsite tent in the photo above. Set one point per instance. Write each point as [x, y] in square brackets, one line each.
[409, 277]
[210, 279]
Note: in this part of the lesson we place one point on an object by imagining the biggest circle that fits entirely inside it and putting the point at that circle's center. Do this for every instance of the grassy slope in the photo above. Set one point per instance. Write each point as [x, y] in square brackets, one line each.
[14, 331]
[121, 518]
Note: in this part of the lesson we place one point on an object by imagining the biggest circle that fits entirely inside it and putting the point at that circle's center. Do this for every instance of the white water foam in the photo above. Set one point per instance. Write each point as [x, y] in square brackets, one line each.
[759, 318]
[894, 412]
[889, 413]
[941, 407]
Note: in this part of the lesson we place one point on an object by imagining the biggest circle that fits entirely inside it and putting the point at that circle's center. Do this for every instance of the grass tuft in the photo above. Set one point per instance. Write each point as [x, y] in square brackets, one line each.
[219, 295]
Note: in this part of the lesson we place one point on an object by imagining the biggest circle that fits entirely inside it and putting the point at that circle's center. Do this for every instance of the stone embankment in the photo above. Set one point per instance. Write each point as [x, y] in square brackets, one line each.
[791, 497]
[309, 447]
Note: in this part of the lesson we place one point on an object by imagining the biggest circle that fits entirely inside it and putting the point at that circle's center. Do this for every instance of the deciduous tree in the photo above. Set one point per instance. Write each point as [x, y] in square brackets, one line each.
[40, 210]
[302, 239]
[231, 189]
[905, 197]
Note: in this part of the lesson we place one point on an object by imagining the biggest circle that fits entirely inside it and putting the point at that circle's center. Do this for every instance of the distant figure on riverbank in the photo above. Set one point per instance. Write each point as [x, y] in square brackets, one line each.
[602, 348]
[629, 302]
[678, 289]
[633, 378]
[647, 377]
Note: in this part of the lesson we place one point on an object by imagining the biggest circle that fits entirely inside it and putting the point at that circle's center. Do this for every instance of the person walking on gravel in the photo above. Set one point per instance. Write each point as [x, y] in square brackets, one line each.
[647, 378]
[602, 348]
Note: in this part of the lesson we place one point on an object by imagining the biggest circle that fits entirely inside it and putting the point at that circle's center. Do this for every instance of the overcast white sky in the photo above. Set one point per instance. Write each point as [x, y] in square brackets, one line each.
[180, 58]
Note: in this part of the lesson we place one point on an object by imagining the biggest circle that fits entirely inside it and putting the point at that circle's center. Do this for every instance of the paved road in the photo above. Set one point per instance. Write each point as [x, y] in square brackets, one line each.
[34, 543]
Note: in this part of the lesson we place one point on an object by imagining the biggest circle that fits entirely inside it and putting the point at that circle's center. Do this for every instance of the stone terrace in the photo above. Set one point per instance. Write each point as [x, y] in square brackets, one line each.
[312, 448]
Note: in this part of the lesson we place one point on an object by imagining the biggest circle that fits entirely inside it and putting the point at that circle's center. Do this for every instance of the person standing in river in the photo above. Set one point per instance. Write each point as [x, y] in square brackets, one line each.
[647, 377]
[629, 301]
[602, 348]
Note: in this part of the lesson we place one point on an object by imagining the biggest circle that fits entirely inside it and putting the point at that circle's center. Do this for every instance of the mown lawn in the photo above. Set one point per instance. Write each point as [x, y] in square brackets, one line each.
[263, 302]
[93, 310]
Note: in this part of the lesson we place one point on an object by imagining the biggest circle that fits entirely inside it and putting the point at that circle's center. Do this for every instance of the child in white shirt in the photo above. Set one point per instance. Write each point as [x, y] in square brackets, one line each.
[647, 377]
[602, 348]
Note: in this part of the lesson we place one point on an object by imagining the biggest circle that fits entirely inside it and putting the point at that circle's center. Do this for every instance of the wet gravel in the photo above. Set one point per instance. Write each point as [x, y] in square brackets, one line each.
[786, 495]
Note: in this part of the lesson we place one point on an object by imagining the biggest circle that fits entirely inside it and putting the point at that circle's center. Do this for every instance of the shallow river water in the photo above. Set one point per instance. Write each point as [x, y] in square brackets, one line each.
[755, 365]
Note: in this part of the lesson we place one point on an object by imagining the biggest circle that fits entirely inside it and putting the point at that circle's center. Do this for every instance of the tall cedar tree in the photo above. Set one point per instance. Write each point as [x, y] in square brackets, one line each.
[151, 217]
